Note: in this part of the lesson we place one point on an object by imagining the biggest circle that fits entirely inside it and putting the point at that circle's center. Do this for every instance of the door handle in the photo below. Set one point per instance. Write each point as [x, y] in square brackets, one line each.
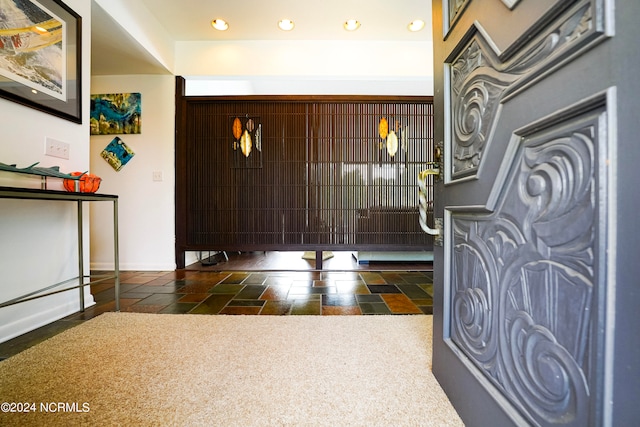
[422, 193]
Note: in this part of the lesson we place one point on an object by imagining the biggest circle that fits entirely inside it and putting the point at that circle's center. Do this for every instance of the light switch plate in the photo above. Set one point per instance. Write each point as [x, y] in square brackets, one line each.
[55, 148]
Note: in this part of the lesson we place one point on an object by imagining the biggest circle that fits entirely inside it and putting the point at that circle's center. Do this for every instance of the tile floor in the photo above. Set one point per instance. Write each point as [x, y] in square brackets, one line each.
[251, 293]
[268, 293]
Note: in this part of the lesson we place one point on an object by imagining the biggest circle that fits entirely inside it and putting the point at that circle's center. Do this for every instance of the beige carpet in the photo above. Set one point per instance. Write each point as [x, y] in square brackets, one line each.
[159, 370]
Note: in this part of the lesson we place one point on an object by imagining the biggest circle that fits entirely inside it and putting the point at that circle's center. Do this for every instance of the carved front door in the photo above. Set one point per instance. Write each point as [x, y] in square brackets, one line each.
[528, 104]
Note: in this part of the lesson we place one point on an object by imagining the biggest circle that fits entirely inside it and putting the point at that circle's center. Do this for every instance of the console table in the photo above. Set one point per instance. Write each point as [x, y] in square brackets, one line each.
[79, 198]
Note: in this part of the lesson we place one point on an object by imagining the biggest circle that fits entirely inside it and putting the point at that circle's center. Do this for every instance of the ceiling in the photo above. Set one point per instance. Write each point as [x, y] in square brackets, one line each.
[115, 52]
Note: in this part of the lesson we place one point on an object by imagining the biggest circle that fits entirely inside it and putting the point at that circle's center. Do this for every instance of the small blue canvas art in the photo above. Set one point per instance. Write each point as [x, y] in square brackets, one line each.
[117, 153]
[119, 113]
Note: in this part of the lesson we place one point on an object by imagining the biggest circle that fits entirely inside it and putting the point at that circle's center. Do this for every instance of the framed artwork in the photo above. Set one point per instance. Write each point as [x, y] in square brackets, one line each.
[117, 154]
[118, 113]
[40, 56]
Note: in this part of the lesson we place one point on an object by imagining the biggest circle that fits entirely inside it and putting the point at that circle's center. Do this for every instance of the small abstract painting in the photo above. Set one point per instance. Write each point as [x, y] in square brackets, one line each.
[119, 113]
[117, 153]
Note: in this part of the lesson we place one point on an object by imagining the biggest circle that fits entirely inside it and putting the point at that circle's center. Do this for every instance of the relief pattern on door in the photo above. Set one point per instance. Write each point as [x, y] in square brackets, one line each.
[522, 294]
[480, 79]
[525, 267]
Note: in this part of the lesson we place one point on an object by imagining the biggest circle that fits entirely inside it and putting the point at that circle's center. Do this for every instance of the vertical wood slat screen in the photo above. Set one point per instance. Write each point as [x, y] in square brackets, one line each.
[324, 180]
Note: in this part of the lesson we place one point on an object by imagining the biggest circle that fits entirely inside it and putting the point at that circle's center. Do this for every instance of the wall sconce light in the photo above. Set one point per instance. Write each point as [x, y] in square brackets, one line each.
[392, 139]
[392, 143]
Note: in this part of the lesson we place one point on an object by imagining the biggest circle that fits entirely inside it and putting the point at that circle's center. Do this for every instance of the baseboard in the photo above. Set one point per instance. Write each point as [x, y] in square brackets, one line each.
[106, 266]
[37, 317]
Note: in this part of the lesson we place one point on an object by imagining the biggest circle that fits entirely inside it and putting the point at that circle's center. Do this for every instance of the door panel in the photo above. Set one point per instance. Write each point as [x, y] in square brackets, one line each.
[528, 103]
[523, 277]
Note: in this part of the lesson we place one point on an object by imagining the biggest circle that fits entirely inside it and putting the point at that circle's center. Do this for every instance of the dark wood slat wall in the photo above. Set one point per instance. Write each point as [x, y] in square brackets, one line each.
[323, 182]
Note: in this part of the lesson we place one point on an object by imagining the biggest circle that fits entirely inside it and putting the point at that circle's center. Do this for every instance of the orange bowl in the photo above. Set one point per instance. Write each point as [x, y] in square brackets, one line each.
[88, 183]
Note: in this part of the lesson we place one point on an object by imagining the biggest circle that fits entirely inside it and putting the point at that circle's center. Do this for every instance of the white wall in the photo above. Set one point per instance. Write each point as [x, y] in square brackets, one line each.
[313, 67]
[38, 238]
[136, 19]
[146, 207]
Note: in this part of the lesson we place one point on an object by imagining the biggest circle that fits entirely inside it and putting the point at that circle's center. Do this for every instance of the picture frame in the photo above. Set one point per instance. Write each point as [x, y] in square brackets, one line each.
[115, 113]
[41, 57]
[117, 153]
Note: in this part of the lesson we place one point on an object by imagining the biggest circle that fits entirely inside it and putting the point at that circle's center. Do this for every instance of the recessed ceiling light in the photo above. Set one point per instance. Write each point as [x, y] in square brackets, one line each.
[416, 25]
[286, 24]
[351, 24]
[220, 24]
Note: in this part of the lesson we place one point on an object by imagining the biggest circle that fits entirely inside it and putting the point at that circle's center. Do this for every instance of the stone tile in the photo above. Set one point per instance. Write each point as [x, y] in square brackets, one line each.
[351, 286]
[340, 275]
[303, 283]
[426, 309]
[250, 292]
[400, 304]
[417, 277]
[226, 288]
[196, 288]
[339, 300]
[178, 308]
[161, 281]
[245, 303]
[321, 283]
[393, 276]
[194, 297]
[428, 288]
[275, 293]
[135, 295]
[341, 311]
[100, 287]
[165, 289]
[306, 307]
[105, 295]
[235, 278]
[374, 308]
[414, 291]
[160, 299]
[425, 301]
[241, 310]
[153, 274]
[212, 305]
[212, 278]
[256, 279]
[143, 308]
[383, 289]
[372, 278]
[301, 290]
[278, 308]
[127, 287]
[369, 298]
[140, 280]
[276, 280]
